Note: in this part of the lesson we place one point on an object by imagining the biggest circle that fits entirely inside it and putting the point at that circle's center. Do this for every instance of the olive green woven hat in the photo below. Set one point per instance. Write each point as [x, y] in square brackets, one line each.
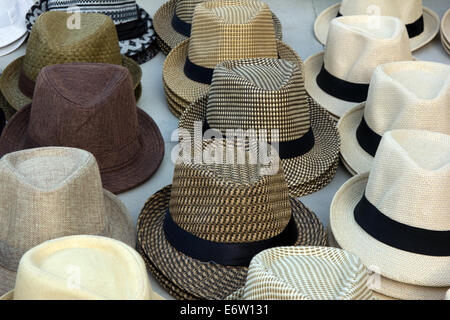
[52, 42]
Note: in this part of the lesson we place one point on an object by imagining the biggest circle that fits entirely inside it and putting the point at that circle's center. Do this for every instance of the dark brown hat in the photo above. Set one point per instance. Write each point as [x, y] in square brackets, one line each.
[2, 120]
[90, 106]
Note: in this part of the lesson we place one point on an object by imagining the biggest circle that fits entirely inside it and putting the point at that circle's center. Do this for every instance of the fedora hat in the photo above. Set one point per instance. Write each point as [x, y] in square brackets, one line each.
[173, 22]
[421, 23]
[49, 193]
[402, 95]
[339, 77]
[6, 108]
[305, 273]
[82, 267]
[12, 24]
[188, 69]
[396, 218]
[202, 231]
[274, 99]
[90, 106]
[445, 31]
[133, 24]
[51, 42]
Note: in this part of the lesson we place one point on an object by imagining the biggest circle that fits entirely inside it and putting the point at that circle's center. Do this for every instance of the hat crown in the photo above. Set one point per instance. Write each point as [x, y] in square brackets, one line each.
[48, 193]
[410, 179]
[229, 203]
[51, 41]
[87, 106]
[409, 95]
[306, 273]
[184, 9]
[274, 99]
[82, 267]
[356, 45]
[218, 23]
[406, 10]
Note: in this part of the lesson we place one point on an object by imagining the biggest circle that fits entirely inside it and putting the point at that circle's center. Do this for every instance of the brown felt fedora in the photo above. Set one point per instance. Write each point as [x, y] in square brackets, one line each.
[90, 106]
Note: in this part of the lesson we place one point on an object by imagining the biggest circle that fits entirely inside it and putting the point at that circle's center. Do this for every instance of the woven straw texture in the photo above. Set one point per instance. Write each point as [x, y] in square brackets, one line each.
[402, 95]
[445, 31]
[305, 273]
[408, 183]
[92, 107]
[49, 193]
[51, 42]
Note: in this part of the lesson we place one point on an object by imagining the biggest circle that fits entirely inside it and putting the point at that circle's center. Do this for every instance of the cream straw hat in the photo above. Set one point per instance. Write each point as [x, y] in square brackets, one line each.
[339, 77]
[421, 23]
[397, 217]
[445, 31]
[82, 267]
[402, 95]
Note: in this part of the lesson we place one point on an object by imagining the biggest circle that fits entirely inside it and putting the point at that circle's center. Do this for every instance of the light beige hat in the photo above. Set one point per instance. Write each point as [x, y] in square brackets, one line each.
[397, 217]
[47, 193]
[421, 23]
[339, 77]
[82, 267]
[447, 296]
[445, 31]
[305, 273]
[402, 95]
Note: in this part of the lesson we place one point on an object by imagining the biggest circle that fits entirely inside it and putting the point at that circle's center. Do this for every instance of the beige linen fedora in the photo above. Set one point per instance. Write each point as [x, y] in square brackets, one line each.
[421, 23]
[402, 95]
[445, 31]
[221, 30]
[339, 77]
[305, 273]
[82, 267]
[397, 217]
[52, 192]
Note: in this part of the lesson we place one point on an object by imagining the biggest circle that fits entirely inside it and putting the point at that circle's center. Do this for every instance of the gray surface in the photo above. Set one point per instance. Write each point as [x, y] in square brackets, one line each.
[297, 18]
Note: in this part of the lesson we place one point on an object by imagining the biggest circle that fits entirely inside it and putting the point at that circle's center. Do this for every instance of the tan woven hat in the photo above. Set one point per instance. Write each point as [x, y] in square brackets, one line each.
[216, 26]
[202, 231]
[82, 267]
[402, 95]
[52, 42]
[305, 273]
[445, 31]
[339, 77]
[397, 217]
[421, 23]
[173, 22]
[52, 192]
[274, 99]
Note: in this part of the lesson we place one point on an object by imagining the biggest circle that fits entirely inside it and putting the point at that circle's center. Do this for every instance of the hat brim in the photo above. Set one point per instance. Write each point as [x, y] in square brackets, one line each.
[445, 28]
[393, 263]
[9, 81]
[6, 107]
[162, 22]
[163, 46]
[120, 228]
[431, 26]
[12, 46]
[148, 160]
[206, 280]
[188, 90]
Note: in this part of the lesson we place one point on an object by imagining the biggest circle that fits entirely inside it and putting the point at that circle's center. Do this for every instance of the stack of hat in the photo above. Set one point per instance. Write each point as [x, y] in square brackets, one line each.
[445, 31]
[137, 38]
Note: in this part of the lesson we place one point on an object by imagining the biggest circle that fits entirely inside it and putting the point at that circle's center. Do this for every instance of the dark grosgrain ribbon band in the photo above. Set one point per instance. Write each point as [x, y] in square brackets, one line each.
[180, 26]
[367, 138]
[226, 254]
[414, 29]
[398, 235]
[131, 30]
[287, 149]
[341, 89]
[26, 85]
[198, 73]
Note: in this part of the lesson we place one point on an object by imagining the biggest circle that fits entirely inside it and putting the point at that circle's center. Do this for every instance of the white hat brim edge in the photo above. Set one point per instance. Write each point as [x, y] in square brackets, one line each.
[13, 46]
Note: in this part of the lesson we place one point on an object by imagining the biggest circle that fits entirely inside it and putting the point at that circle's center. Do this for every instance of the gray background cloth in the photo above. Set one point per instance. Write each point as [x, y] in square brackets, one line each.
[297, 18]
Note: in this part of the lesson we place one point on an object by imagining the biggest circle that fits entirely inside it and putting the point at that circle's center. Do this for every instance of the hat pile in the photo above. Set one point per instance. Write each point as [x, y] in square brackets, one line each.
[445, 31]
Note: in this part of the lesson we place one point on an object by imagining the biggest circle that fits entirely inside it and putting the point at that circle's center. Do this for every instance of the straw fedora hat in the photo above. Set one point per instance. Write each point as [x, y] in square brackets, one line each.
[339, 77]
[51, 42]
[137, 38]
[445, 31]
[421, 23]
[49, 193]
[90, 106]
[402, 95]
[173, 22]
[202, 231]
[274, 99]
[305, 273]
[12, 24]
[188, 69]
[396, 217]
[82, 267]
